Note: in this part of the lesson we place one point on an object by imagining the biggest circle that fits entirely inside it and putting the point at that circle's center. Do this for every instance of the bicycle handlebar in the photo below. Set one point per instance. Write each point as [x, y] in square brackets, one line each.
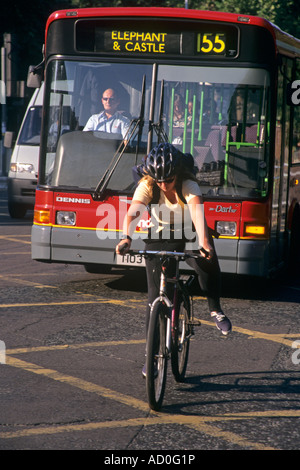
[166, 254]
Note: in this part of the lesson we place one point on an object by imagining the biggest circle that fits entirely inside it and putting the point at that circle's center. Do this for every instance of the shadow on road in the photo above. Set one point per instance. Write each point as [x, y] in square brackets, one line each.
[282, 289]
[208, 387]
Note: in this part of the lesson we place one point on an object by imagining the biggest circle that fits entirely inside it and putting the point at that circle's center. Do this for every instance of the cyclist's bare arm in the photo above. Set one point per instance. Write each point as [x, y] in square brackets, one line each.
[131, 220]
[196, 208]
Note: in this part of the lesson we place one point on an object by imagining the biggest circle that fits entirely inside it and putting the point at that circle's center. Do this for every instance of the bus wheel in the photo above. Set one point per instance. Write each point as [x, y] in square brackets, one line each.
[16, 211]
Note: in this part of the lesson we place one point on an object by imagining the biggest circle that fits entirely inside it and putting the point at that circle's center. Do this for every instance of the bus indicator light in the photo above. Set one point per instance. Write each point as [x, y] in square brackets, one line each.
[41, 217]
[244, 19]
[256, 230]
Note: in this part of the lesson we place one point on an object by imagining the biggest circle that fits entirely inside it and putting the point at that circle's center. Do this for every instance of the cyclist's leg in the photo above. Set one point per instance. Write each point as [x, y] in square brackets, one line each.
[209, 277]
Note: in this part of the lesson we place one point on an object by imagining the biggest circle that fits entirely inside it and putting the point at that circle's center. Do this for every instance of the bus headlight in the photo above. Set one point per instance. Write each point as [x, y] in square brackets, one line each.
[22, 167]
[65, 218]
[228, 229]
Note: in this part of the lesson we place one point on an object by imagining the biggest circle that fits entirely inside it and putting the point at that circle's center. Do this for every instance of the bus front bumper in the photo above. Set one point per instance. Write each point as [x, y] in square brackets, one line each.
[80, 246]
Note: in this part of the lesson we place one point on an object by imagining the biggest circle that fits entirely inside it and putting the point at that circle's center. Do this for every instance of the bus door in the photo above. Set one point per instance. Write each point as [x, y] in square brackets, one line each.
[279, 240]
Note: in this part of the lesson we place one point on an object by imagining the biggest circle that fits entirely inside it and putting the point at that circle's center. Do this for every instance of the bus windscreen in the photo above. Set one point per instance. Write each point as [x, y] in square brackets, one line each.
[218, 114]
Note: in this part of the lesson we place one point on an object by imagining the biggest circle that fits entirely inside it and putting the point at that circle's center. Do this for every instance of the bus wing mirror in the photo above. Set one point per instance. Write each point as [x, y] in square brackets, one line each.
[9, 139]
[34, 76]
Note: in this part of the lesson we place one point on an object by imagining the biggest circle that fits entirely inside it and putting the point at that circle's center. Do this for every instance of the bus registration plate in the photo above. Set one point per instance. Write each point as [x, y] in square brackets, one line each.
[130, 259]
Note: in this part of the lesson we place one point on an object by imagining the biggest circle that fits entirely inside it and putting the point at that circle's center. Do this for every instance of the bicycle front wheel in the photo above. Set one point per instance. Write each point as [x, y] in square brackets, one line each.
[181, 333]
[156, 362]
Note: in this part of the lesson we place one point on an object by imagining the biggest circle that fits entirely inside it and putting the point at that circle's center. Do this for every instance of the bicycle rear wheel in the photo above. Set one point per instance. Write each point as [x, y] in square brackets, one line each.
[181, 333]
[156, 362]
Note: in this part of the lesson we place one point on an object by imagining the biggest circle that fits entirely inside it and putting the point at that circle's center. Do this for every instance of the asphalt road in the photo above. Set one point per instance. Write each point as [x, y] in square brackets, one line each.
[72, 348]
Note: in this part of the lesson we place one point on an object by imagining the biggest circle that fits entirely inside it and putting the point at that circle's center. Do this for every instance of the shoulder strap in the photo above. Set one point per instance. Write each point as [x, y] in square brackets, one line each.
[156, 194]
[179, 192]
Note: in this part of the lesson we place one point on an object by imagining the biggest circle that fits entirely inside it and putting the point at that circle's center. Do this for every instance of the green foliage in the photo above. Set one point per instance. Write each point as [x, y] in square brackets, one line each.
[265, 8]
[284, 13]
[27, 20]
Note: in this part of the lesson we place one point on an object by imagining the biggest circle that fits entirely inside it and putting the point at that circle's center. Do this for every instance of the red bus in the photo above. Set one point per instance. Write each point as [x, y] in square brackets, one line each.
[232, 74]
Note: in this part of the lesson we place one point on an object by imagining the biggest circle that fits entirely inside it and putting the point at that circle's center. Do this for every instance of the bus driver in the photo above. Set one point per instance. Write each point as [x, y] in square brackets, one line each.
[110, 119]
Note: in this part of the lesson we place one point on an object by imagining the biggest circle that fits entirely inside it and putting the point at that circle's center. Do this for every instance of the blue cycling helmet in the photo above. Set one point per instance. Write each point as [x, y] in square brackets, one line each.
[162, 161]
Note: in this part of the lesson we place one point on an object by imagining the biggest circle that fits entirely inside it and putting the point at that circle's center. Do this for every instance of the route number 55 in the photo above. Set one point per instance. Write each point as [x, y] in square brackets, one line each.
[210, 43]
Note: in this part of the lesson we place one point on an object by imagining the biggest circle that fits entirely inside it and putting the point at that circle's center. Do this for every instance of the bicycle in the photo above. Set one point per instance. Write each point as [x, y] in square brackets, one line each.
[171, 326]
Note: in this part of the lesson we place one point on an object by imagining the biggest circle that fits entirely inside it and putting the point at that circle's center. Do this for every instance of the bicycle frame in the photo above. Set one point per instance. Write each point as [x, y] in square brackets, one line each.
[171, 305]
[170, 328]
[163, 297]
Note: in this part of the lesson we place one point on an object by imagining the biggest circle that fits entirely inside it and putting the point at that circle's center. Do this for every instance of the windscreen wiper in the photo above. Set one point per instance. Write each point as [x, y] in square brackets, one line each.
[135, 124]
[141, 119]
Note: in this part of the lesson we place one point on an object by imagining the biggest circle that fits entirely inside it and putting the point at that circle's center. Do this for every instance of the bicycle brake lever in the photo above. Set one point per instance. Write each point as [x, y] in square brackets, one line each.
[207, 255]
[121, 252]
[123, 248]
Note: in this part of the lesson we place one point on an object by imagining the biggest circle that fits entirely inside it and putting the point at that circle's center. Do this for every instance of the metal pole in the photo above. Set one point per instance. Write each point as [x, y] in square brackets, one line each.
[186, 4]
[152, 103]
[3, 111]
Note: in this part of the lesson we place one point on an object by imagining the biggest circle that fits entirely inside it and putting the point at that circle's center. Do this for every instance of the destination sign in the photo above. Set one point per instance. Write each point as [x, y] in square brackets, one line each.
[211, 43]
[210, 40]
[141, 42]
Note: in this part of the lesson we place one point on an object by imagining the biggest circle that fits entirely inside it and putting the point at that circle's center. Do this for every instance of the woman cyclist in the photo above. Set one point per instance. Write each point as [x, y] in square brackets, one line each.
[168, 181]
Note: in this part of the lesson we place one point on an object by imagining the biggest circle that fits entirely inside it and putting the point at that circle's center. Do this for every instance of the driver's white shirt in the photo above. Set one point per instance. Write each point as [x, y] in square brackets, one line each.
[116, 124]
